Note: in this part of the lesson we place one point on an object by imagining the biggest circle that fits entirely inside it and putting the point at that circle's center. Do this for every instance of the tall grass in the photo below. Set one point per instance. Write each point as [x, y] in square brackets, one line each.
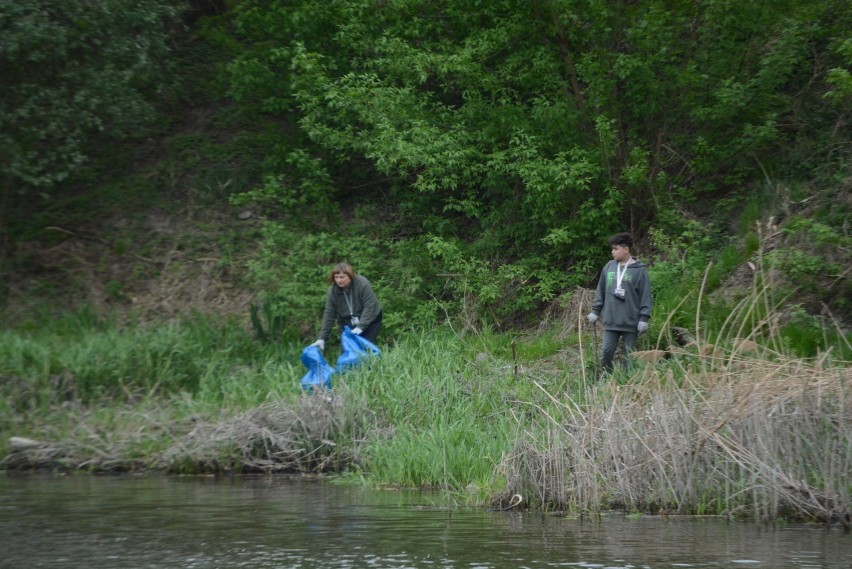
[440, 419]
[769, 439]
[735, 424]
[95, 361]
[739, 427]
[130, 392]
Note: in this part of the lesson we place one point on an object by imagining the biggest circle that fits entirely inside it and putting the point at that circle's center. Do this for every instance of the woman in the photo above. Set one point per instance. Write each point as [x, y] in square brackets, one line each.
[352, 302]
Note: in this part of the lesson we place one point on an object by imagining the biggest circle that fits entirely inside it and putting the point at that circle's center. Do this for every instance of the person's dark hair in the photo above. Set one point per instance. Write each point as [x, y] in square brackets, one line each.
[341, 268]
[624, 239]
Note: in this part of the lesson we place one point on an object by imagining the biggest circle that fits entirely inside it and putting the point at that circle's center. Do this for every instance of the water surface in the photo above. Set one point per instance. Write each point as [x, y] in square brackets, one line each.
[280, 522]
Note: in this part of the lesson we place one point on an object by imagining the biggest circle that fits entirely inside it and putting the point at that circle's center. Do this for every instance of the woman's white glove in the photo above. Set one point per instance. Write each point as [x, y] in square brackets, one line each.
[319, 344]
[357, 330]
[592, 317]
[643, 326]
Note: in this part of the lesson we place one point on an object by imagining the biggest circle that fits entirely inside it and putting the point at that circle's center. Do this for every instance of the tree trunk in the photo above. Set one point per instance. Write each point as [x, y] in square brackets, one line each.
[5, 200]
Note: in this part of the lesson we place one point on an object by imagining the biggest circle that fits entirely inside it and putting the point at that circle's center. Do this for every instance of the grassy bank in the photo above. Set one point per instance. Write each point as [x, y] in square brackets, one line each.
[484, 416]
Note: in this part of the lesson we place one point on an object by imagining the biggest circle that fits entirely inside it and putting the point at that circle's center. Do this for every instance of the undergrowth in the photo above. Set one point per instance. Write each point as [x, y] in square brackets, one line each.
[739, 427]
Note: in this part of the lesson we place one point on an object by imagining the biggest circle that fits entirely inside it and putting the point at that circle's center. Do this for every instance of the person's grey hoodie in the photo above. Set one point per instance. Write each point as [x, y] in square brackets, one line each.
[623, 315]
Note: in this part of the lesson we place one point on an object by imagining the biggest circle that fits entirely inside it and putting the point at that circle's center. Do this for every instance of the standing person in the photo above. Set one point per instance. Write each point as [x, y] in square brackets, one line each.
[351, 302]
[624, 297]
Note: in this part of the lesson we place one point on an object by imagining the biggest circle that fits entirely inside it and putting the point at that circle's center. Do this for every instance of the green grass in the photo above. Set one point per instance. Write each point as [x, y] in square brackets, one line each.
[77, 357]
[431, 404]
[480, 415]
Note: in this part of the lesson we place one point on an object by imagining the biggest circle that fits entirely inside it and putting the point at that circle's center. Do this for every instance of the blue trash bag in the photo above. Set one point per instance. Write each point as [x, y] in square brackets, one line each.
[319, 371]
[355, 350]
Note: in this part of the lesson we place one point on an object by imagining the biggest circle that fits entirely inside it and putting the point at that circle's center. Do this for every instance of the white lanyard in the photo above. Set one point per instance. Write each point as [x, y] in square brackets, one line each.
[620, 272]
[349, 304]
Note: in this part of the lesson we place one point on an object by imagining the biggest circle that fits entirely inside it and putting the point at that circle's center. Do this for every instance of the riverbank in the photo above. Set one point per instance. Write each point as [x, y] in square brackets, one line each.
[752, 434]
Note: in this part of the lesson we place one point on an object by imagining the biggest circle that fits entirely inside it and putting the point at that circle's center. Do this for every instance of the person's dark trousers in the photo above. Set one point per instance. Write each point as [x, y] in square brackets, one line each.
[371, 332]
[610, 343]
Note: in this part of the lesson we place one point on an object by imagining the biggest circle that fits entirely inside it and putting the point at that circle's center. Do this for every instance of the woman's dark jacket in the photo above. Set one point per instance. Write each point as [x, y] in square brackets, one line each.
[365, 305]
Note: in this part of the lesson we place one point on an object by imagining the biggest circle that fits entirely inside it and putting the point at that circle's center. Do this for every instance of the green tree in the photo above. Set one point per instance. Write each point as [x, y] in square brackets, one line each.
[531, 130]
[539, 114]
[73, 69]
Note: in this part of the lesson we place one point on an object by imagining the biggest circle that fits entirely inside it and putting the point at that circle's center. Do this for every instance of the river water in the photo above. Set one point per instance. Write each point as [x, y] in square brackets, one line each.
[281, 522]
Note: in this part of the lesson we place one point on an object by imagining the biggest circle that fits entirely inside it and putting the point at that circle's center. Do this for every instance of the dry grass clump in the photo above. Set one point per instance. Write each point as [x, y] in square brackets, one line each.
[275, 437]
[29, 454]
[312, 434]
[160, 267]
[568, 312]
[78, 437]
[771, 439]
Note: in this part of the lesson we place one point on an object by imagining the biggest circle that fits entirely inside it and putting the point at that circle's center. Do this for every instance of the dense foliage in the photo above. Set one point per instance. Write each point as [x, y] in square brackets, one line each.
[74, 72]
[518, 135]
[469, 157]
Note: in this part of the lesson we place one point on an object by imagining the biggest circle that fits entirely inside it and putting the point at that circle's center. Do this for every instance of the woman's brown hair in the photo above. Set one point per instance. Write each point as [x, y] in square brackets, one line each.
[341, 268]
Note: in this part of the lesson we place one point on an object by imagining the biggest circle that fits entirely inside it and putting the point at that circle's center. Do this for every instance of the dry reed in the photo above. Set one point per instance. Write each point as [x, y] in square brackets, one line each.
[772, 438]
[745, 431]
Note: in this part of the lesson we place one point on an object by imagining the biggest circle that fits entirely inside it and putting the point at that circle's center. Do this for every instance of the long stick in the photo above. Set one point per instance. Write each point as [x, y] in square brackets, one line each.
[597, 357]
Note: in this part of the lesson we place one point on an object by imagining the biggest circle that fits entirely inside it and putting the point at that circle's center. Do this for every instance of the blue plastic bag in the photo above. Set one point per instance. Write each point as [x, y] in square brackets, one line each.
[355, 350]
[319, 371]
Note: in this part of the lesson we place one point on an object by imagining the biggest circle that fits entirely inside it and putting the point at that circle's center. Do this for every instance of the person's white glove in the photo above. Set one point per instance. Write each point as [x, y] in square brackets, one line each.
[319, 344]
[643, 326]
[592, 317]
[357, 330]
